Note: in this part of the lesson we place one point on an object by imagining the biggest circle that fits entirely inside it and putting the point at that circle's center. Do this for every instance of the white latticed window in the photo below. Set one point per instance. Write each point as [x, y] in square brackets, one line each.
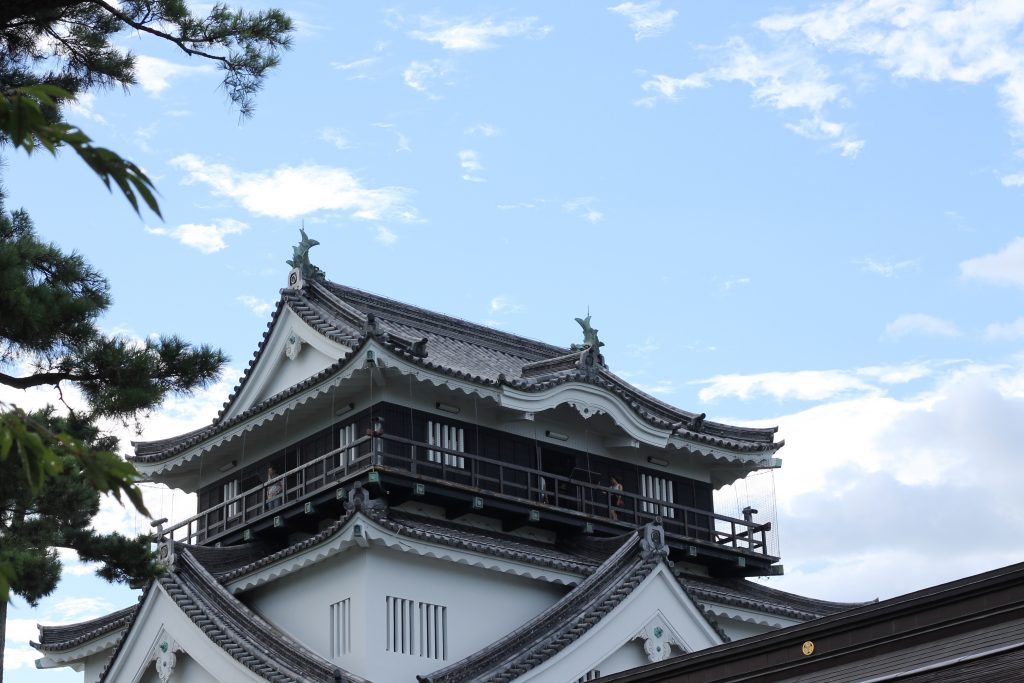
[448, 437]
[231, 491]
[416, 628]
[658, 489]
[341, 628]
[591, 675]
[346, 437]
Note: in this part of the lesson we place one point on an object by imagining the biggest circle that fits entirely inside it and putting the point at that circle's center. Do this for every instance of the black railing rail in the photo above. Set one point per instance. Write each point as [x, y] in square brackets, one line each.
[475, 474]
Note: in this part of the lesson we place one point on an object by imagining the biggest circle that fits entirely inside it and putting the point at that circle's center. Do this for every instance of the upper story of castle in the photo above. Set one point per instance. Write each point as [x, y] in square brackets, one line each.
[348, 387]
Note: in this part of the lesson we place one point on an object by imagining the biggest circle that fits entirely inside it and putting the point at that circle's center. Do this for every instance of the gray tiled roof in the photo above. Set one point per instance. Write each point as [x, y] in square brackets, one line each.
[445, 533]
[751, 595]
[457, 348]
[69, 636]
[543, 637]
[253, 642]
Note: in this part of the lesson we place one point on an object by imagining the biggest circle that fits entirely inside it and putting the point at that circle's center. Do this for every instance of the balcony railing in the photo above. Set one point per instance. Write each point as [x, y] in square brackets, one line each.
[473, 474]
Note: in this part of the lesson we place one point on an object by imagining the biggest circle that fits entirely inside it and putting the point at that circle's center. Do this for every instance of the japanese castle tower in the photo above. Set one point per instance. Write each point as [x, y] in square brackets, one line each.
[392, 494]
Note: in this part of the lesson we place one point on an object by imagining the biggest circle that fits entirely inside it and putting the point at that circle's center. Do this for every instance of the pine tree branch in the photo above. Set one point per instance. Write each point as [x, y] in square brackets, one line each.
[141, 26]
[41, 379]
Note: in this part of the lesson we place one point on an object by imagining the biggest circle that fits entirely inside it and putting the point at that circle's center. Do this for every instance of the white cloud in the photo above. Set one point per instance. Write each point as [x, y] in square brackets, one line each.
[784, 79]
[886, 268]
[802, 385]
[402, 142]
[583, 207]
[646, 19]
[467, 35]
[419, 75]
[470, 163]
[503, 304]
[206, 238]
[355, 64]
[1004, 267]
[291, 191]
[736, 282]
[335, 137]
[256, 305]
[84, 106]
[645, 348]
[385, 236]
[1011, 330]
[485, 129]
[920, 323]
[659, 388]
[1013, 180]
[922, 462]
[969, 42]
[155, 74]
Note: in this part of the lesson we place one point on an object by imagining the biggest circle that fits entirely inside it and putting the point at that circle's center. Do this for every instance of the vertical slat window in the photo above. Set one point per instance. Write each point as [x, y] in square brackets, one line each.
[346, 437]
[658, 489]
[341, 628]
[416, 628]
[447, 437]
[591, 675]
[231, 491]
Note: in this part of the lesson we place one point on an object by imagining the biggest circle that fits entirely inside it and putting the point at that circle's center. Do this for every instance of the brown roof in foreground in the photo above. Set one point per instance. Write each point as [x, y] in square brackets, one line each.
[971, 629]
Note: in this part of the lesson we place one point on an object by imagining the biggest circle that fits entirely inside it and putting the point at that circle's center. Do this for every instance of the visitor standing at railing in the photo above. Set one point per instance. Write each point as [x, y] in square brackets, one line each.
[617, 501]
[274, 490]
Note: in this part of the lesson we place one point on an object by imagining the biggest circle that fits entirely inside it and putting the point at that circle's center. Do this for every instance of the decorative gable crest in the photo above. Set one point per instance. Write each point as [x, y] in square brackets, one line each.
[659, 638]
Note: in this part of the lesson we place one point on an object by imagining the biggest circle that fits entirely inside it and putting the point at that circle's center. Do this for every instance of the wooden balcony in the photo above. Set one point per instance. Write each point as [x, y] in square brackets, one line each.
[463, 483]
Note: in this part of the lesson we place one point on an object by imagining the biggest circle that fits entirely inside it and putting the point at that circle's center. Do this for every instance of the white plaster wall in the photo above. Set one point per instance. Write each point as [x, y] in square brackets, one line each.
[483, 605]
[187, 670]
[629, 656]
[94, 666]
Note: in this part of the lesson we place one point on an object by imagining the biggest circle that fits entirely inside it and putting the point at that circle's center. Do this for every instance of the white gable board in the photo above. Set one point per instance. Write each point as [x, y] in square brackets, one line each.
[159, 621]
[617, 642]
[293, 352]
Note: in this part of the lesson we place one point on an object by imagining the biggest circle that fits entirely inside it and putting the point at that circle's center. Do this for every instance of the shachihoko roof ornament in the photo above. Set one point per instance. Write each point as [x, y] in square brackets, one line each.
[590, 340]
[300, 260]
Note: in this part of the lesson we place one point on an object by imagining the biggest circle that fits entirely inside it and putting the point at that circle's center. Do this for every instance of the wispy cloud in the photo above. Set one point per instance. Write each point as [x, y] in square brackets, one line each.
[84, 106]
[206, 238]
[155, 74]
[920, 324]
[786, 78]
[646, 18]
[484, 129]
[420, 75]
[583, 207]
[256, 305]
[659, 388]
[1005, 267]
[502, 304]
[355, 64]
[471, 166]
[967, 42]
[644, 348]
[385, 236]
[886, 268]
[401, 141]
[291, 191]
[333, 136]
[467, 35]
[735, 282]
[811, 385]
[1010, 331]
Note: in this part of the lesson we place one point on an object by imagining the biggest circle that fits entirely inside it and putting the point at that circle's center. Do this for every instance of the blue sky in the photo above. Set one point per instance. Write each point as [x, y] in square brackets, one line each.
[805, 215]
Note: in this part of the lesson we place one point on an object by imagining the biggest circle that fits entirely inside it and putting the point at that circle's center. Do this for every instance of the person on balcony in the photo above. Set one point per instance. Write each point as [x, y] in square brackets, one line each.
[274, 491]
[615, 498]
